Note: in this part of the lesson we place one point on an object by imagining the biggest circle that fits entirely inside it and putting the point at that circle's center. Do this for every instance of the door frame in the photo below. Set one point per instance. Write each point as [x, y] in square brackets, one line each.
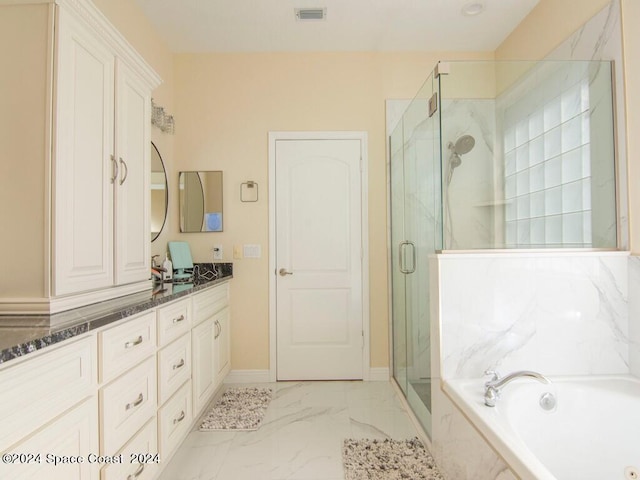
[364, 227]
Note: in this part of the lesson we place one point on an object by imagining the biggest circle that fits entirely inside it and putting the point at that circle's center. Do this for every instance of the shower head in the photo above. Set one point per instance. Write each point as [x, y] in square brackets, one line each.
[463, 145]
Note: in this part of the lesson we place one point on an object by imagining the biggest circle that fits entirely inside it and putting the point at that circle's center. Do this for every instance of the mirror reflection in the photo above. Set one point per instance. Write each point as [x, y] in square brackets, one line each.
[159, 193]
[200, 201]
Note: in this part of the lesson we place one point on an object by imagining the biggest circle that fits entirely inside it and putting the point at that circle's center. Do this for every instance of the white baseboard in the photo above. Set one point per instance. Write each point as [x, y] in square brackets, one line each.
[379, 374]
[247, 376]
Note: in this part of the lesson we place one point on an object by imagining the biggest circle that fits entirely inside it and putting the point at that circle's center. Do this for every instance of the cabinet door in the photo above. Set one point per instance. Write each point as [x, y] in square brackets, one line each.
[222, 346]
[82, 165]
[203, 364]
[133, 143]
[71, 435]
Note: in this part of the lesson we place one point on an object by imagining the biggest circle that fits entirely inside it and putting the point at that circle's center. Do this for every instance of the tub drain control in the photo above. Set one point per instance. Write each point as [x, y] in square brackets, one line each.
[631, 473]
[548, 401]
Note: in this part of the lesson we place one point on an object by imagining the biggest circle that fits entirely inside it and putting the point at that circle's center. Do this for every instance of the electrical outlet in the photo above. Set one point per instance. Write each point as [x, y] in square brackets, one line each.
[217, 252]
[237, 252]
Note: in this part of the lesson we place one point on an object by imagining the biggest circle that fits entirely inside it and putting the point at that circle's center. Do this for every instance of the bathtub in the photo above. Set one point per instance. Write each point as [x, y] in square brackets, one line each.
[593, 433]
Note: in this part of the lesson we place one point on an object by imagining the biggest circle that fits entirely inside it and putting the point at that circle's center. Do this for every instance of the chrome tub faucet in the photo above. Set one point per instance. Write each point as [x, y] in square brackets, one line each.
[493, 386]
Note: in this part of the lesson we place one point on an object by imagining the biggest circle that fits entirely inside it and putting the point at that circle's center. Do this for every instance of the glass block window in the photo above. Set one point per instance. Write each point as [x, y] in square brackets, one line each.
[547, 167]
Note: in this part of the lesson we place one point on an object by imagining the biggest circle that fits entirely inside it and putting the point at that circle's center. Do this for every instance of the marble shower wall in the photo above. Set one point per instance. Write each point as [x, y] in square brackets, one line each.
[556, 313]
[601, 39]
[469, 213]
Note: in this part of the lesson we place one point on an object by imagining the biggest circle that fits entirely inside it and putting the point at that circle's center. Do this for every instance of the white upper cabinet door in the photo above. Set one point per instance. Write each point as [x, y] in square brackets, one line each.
[83, 168]
[133, 141]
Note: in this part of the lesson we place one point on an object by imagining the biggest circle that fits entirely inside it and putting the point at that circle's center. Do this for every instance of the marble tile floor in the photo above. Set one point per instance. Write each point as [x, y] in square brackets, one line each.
[301, 436]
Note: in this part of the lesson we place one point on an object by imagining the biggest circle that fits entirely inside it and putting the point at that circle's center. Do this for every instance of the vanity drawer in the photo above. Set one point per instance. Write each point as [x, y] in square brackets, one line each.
[143, 446]
[174, 421]
[39, 389]
[209, 302]
[126, 404]
[126, 345]
[174, 320]
[174, 367]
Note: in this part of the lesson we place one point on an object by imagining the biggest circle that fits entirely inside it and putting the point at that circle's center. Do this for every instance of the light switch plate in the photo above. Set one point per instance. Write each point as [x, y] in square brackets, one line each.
[252, 251]
[217, 252]
[237, 252]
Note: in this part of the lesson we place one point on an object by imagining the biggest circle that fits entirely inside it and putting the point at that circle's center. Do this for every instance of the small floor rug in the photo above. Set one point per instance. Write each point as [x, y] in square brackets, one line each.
[365, 459]
[238, 409]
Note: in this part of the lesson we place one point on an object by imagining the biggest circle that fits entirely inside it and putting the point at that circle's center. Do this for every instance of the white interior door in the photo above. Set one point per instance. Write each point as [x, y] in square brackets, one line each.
[319, 286]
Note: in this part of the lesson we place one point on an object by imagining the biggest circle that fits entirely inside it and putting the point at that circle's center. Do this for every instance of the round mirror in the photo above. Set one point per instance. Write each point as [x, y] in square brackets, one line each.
[159, 193]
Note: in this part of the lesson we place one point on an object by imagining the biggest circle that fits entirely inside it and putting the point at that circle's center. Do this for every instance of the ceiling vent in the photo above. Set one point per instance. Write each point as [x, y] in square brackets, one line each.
[311, 13]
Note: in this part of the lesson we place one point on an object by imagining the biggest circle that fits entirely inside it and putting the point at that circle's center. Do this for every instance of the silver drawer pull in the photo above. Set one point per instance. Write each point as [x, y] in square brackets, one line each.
[137, 341]
[178, 365]
[137, 402]
[179, 319]
[180, 418]
[137, 473]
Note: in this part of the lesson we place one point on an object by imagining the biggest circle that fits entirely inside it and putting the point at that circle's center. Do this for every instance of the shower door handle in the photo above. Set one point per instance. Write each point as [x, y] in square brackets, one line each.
[402, 250]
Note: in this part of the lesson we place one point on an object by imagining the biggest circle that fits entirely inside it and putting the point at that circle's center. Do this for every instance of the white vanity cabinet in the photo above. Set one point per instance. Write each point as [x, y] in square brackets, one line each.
[73, 435]
[85, 101]
[210, 343]
[128, 397]
[175, 368]
[49, 408]
[133, 386]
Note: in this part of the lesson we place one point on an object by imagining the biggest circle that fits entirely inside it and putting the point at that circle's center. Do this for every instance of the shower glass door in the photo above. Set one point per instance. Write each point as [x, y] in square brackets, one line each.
[416, 233]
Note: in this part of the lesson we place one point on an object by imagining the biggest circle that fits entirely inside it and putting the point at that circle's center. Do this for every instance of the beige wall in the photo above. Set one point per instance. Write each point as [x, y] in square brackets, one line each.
[23, 138]
[227, 104]
[631, 49]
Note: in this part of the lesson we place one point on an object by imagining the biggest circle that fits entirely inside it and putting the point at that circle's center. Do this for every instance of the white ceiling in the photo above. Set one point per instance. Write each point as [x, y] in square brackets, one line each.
[351, 25]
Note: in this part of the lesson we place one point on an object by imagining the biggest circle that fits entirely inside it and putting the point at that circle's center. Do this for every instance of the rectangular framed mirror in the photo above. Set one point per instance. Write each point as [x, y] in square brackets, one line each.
[200, 201]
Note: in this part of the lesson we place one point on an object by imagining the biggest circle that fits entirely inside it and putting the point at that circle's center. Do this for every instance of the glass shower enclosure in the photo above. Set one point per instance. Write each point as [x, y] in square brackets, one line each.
[500, 156]
[416, 232]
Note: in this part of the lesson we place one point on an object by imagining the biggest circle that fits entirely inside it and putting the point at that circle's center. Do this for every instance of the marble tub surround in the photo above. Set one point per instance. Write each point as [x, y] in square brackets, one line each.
[634, 313]
[24, 334]
[559, 313]
[555, 313]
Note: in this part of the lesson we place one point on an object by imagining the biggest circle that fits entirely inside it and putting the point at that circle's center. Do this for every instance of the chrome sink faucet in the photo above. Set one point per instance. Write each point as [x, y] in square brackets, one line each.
[493, 386]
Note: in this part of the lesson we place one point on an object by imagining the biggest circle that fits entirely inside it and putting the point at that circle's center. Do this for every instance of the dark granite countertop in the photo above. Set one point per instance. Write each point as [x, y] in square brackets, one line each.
[24, 334]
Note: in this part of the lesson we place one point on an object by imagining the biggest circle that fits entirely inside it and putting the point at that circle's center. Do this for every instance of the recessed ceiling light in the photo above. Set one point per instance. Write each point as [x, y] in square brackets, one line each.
[472, 9]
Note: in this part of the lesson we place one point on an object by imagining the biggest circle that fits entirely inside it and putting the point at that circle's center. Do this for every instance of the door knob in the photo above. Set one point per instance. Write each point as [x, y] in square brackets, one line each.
[283, 272]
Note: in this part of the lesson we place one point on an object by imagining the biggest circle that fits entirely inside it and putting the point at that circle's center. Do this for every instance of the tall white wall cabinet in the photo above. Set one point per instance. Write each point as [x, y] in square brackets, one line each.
[94, 166]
